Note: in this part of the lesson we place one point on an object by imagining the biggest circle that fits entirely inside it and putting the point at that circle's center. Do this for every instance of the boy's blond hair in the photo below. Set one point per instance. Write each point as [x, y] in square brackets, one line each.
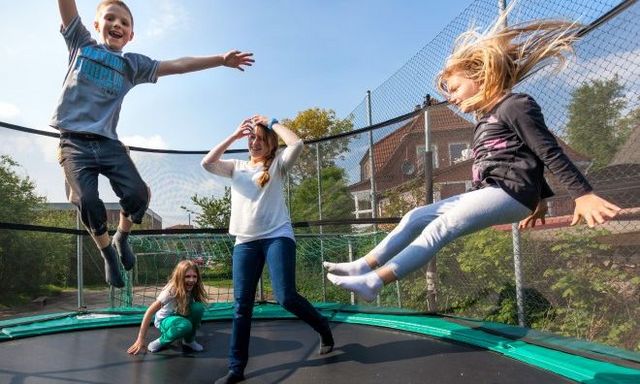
[105, 3]
[502, 57]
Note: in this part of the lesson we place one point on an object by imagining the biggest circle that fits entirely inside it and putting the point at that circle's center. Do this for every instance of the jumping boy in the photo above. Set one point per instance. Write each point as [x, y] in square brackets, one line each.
[98, 77]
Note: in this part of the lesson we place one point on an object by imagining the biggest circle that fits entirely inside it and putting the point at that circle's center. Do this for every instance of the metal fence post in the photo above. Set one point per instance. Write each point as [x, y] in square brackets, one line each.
[319, 179]
[432, 272]
[372, 175]
[352, 296]
[261, 289]
[79, 263]
[517, 266]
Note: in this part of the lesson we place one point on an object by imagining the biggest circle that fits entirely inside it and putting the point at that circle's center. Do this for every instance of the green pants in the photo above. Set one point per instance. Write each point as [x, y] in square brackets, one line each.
[182, 327]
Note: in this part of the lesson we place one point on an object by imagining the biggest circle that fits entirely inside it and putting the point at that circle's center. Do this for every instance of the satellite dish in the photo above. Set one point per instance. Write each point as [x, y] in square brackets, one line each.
[407, 168]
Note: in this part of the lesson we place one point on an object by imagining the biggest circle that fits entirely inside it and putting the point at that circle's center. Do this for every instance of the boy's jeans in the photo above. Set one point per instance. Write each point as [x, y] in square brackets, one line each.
[248, 262]
[85, 156]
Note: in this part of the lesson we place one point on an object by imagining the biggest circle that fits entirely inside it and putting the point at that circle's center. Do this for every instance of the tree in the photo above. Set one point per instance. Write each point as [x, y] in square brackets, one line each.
[628, 123]
[595, 125]
[336, 199]
[28, 260]
[215, 212]
[17, 194]
[316, 123]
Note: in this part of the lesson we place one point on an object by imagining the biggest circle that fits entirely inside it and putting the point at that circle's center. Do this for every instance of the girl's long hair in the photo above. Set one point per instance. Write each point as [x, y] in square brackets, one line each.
[271, 139]
[500, 58]
[178, 289]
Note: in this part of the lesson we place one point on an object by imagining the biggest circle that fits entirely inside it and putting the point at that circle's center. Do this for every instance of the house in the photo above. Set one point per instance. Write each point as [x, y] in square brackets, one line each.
[399, 162]
[151, 220]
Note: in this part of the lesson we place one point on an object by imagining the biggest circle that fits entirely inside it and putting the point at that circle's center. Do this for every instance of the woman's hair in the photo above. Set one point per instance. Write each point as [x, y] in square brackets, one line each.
[177, 286]
[271, 140]
[500, 58]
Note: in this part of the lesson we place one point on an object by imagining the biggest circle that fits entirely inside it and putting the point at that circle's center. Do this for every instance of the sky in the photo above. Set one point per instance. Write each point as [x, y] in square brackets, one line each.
[308, 54]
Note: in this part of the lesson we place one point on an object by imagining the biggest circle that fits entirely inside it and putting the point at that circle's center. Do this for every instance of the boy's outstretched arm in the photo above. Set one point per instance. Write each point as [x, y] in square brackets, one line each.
[68, 11]
[231, 59]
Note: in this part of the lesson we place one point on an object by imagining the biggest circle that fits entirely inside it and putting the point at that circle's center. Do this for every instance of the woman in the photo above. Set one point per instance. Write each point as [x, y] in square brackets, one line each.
[261, 224]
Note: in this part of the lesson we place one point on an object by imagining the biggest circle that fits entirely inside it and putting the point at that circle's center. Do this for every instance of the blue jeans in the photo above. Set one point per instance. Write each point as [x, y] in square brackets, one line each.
[423, 231]
[83, 157]
[248, 262]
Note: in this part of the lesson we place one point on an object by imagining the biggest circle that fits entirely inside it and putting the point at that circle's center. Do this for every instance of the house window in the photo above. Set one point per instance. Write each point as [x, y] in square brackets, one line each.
[458, 152]
[366, 171]
[420, 155]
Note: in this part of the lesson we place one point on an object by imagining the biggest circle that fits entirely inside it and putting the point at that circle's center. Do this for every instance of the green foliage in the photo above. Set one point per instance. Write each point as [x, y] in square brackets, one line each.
[589, 290]
[315, 123]
[214, 212]
[30, 261]
[595, 125]
[401, 200]
[336, 199]
[311, 251]
[19, 200]
[537, 308]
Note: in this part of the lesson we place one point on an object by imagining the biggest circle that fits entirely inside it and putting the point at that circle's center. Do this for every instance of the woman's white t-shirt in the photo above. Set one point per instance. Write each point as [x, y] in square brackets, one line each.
[258, 212]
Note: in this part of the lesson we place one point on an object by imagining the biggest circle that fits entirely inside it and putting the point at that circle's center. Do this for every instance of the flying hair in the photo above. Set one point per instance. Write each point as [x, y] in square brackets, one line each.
[501, 57]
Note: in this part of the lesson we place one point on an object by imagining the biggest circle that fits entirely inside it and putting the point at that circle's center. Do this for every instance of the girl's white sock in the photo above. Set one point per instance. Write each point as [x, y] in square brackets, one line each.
[155, 346]
[194, 345]
[354, 268]
[366, 286]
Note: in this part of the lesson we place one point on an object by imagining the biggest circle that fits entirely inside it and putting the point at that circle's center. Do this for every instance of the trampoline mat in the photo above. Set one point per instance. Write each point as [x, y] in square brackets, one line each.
[281, 351]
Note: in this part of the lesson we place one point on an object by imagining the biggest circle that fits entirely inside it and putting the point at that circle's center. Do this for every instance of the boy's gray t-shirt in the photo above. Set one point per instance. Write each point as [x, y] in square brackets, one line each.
[96, 82]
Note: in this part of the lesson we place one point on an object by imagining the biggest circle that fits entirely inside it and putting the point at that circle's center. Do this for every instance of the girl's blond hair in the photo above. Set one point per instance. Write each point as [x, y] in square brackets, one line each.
[500, 58]
[178, 289]
[271, 139]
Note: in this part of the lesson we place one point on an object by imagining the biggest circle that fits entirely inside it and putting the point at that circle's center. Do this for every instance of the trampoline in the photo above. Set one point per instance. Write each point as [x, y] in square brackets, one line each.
[370, 348]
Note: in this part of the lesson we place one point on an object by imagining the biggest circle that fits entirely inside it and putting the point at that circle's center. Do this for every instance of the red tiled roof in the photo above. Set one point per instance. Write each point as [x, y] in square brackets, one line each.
[442, 119]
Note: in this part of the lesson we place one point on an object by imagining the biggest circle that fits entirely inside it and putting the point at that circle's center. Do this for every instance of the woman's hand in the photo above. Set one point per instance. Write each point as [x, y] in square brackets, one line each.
[538, 214]
[244, 129]
[260, 119]
[593, 209]
[137, 347]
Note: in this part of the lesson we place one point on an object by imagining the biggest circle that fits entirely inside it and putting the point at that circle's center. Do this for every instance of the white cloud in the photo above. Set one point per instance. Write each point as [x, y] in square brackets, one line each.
[8, 111]
[172, 16]
[155, 141]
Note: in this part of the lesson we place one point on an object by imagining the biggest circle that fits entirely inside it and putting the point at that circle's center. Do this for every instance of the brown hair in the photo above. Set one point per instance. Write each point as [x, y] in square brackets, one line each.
[106, 3]
[177, 286]
[271, 139]
[500, 58]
